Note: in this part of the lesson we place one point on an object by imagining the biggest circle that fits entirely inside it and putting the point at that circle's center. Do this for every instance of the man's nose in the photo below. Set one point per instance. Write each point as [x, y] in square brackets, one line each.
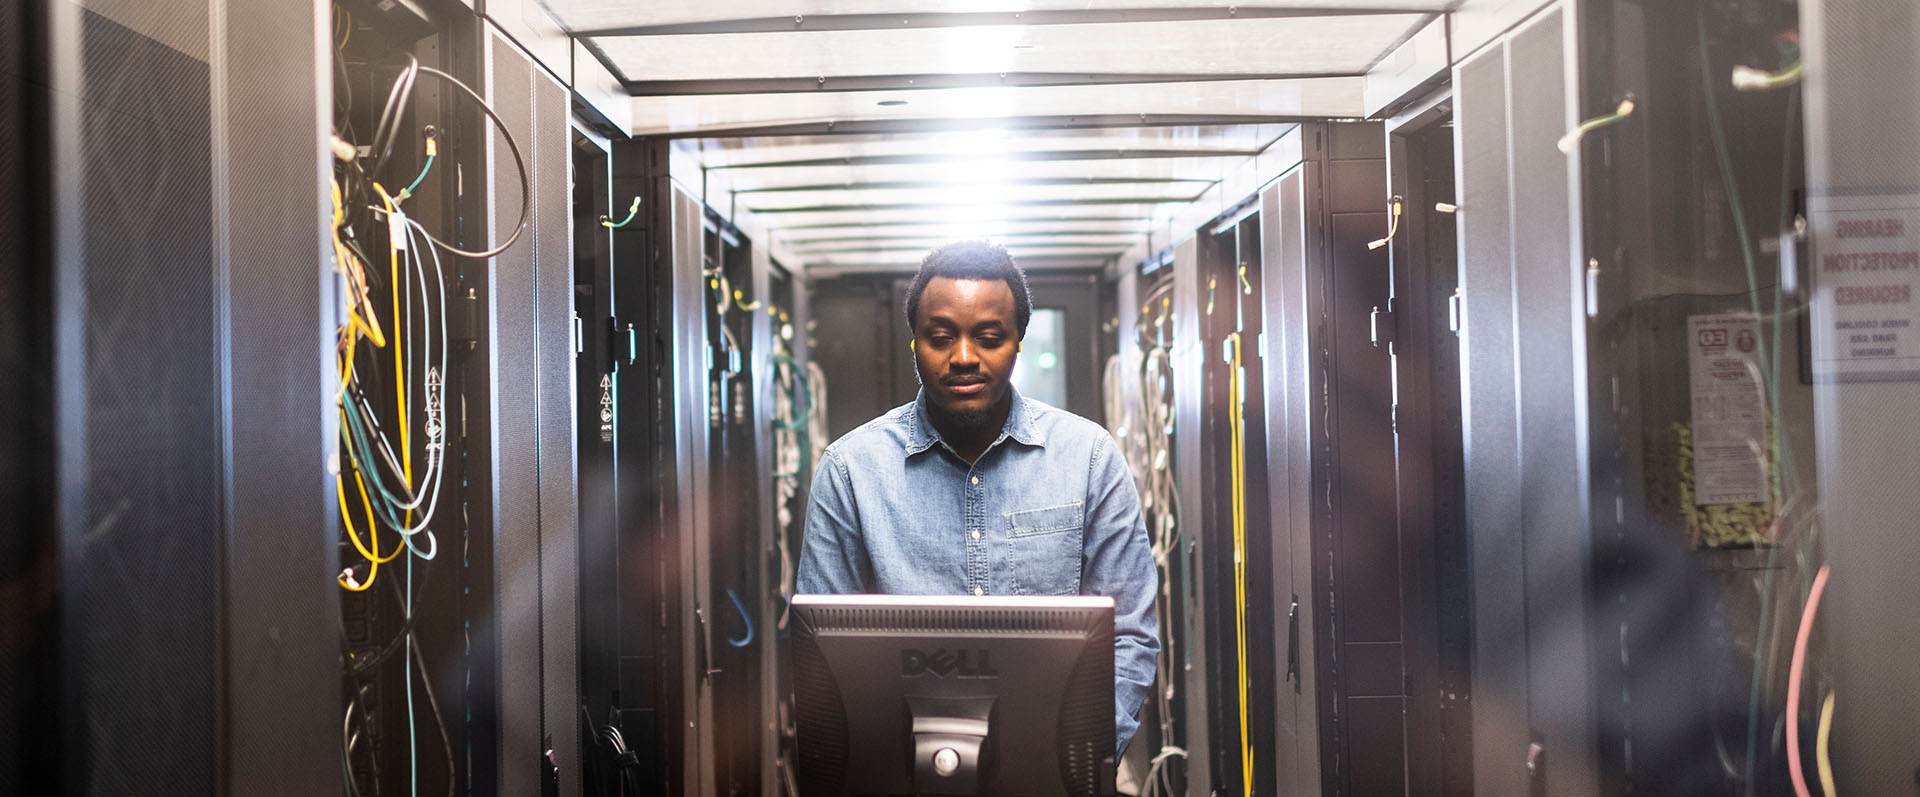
[965, 355]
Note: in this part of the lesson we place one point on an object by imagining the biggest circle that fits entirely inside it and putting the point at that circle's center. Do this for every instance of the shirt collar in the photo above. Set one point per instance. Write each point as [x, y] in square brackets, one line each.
[921, 435]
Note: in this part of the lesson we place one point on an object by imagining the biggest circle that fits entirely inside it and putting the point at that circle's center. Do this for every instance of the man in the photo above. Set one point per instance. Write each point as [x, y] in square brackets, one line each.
[974, 489]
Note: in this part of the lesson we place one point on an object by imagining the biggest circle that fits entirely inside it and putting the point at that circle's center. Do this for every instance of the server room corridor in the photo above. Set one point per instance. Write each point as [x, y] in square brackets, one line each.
[599, 398]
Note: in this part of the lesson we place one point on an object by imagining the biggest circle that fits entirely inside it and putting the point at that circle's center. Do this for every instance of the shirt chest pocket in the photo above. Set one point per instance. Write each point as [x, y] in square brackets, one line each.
[1045, 549]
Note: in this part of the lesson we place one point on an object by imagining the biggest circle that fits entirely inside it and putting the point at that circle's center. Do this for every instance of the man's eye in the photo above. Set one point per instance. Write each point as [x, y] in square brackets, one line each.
[940, 341]
[991, 341]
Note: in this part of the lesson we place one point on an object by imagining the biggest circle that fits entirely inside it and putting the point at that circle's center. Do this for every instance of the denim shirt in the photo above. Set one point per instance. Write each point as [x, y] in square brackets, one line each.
[1049, 509]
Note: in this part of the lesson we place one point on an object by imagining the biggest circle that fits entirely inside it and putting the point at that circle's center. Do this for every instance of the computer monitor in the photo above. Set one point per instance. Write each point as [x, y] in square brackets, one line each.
[910, 694]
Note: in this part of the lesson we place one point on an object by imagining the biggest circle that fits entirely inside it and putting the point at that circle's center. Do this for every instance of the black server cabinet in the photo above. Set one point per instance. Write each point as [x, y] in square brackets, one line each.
[1524, 399]
[184, 303]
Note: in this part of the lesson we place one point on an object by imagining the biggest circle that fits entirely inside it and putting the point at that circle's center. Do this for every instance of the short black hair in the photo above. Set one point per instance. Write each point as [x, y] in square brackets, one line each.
[972, 260]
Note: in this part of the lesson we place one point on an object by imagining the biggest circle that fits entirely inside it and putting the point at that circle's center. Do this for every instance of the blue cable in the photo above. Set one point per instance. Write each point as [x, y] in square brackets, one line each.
[741, 643]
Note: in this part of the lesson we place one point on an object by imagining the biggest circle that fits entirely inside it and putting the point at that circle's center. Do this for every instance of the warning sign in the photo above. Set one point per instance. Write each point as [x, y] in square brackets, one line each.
[606, 408]
[1866, 272]
[1729, 410]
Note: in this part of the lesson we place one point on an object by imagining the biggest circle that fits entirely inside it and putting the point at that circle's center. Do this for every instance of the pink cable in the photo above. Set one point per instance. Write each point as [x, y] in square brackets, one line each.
[1793, 682]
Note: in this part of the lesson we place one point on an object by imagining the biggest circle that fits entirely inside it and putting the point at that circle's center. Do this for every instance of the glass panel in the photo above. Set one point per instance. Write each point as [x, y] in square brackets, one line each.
[1041, 371]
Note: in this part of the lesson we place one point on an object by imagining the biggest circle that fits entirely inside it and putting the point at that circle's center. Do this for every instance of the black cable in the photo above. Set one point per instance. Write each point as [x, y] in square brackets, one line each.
[359, 667]
[519, 163]
[433, 703]
[346, 748]
[342, 110]
[387, 130]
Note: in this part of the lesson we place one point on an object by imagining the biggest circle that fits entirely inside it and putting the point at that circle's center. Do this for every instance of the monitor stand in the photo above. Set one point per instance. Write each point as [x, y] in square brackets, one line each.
[949, 742]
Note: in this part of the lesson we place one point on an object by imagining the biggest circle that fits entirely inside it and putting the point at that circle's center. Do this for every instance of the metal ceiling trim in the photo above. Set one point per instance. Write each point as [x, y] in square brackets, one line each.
[849, 22]
[882, 241]
[1023, 203]
[1028, 248]
[925, 222]
[1028, 264]
[886, 185]
[1116, 153]
[823, 83]
[945, 124]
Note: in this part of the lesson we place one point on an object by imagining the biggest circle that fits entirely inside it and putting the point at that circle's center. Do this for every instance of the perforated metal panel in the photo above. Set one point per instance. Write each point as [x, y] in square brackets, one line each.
[514, 364]
[281, 679]
[1488, 405]
[552, 245]
[1550, 355]
[138, 561]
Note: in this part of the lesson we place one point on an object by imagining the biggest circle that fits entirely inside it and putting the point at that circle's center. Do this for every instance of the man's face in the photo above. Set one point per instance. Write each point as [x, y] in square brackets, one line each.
[965, 342]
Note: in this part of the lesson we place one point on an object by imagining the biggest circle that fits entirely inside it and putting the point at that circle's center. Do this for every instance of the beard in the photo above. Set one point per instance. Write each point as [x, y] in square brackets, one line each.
[961, 420]
[968, 420]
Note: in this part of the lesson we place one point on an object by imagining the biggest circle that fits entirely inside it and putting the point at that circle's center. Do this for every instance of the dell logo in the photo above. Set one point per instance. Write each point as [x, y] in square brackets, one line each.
[943, 663]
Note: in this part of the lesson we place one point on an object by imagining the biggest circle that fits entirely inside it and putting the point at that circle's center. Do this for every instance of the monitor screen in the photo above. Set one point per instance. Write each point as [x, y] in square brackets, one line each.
[909, 694]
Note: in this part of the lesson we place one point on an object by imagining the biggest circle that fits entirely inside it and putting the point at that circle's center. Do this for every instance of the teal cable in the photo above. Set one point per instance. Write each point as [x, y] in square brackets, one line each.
[1746, 252]
[408, 191]
[413, 753]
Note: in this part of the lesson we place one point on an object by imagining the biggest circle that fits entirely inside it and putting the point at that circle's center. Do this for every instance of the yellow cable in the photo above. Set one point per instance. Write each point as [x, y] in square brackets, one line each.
[346, 517]
[1236, 428]
[1820, 747]
[399, 365]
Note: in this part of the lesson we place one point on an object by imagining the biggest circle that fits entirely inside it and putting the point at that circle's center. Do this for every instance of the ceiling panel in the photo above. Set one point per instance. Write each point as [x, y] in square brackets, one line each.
[1250, 99]
[954, 232]
[964, 215]
[1176, 171]
[1033, 147]
[1112, 241]
[602, 14]
[1278, 46]
[915, 254]
[977, 194]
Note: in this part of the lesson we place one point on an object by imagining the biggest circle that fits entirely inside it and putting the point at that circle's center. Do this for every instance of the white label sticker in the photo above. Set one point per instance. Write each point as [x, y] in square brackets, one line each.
[397, 228]
[1866, 275]
[1729, 410]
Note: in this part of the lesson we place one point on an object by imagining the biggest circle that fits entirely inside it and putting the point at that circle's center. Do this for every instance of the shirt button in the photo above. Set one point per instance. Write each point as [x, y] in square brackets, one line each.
[976, 534]
[978, 592]
[976, 480]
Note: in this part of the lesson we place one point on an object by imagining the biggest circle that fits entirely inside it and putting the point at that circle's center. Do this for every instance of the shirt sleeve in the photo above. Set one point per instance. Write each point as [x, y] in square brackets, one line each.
[1119, 564]
[833, 558]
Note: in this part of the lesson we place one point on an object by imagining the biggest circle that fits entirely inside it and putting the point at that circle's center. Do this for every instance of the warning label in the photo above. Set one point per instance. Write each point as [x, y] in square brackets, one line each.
[1866, 264]
[1729, 410]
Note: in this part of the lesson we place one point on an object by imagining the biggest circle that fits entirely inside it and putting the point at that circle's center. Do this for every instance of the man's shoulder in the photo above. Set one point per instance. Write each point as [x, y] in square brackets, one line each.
[1060, 426]
[888, 432]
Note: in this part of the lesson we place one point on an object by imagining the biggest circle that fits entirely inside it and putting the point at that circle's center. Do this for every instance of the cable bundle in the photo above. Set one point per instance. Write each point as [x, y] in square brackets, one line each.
[1142, 423]
[398, 498]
